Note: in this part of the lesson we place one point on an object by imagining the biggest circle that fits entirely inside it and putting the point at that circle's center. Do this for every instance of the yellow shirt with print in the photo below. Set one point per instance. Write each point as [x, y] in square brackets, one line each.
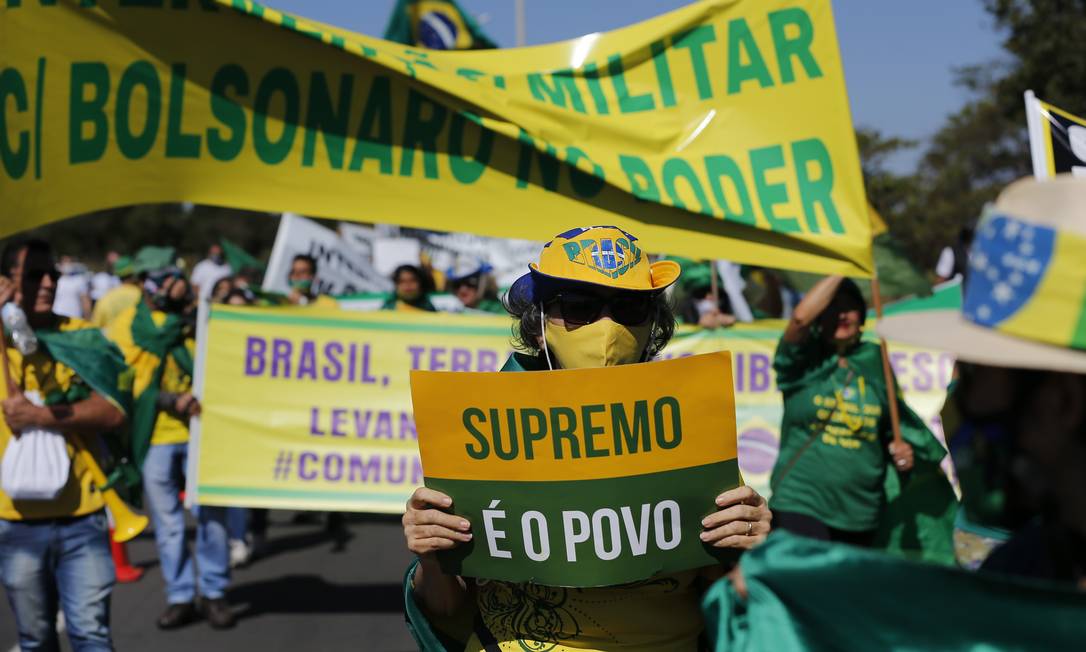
[168, 428]
[661, 614]
[79, 496]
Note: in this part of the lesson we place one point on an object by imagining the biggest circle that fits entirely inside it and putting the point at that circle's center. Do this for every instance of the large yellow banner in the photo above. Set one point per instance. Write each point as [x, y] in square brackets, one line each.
[310, 408]
[720, 130]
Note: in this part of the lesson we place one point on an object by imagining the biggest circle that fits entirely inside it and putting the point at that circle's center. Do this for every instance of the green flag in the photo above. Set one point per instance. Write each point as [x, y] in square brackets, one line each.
[238, 258]
[811, 595]
[435, 24]
[101, 366]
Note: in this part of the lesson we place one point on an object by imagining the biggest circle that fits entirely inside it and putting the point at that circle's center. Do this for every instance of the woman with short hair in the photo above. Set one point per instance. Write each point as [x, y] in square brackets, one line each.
[600, 306]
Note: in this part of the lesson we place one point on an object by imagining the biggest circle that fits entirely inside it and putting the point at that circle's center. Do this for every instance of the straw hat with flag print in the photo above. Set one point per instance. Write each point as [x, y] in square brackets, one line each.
[602, 256]
[1025, 295]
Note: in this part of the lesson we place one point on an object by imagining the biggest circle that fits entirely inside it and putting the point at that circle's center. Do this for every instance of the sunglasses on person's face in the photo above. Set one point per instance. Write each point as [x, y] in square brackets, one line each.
[628, 309]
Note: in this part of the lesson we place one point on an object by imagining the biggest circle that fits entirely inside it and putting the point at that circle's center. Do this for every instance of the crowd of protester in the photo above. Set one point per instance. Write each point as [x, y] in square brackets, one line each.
[839, 443]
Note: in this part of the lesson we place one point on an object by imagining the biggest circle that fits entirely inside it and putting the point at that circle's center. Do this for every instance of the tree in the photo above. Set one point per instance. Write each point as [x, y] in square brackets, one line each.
[985, 146]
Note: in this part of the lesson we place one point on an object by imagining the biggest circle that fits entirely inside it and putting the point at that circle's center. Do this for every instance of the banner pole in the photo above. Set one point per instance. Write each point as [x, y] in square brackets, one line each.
[887, 370]
[199, 375]
[1036, 136]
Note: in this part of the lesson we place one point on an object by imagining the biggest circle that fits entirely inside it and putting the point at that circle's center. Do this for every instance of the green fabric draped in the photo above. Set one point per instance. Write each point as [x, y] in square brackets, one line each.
[96, 360]
[917, 520]
[165, 341]
[101, 366]
[812, 595]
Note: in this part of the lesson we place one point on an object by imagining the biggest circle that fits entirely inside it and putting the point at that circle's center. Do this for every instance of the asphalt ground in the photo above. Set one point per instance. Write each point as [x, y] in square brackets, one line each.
[310, 591]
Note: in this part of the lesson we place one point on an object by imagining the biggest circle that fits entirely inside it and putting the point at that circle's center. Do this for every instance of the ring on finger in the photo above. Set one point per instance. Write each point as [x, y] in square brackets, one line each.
[750, 528]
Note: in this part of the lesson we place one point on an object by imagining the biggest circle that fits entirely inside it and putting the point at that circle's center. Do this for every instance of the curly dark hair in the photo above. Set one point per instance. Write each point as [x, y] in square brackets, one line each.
[527, 328]
[426, 281]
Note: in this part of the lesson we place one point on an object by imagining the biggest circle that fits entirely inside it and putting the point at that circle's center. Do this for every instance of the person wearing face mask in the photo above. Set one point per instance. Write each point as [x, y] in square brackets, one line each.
[302, 276]
[412, 288]
[829, 482]
[157, 341]
[594, 300]
[55, 553]
[209, 270]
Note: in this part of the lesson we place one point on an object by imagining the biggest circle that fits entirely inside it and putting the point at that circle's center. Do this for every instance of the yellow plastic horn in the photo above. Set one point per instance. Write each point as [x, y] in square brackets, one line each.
[126, 524]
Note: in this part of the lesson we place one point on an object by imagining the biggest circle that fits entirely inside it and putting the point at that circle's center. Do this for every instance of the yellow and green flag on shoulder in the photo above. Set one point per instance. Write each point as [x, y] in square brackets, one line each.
[437, 25]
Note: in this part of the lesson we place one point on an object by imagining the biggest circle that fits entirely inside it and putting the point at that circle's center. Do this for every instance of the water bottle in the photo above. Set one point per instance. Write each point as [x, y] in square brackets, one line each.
[22, 335]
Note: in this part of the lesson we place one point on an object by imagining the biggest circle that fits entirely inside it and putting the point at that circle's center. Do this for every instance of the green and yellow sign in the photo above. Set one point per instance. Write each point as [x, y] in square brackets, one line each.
[583, 477]
[719, 129]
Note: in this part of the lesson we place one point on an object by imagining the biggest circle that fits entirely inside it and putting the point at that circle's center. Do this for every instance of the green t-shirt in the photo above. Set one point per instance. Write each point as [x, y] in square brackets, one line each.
[838, 479]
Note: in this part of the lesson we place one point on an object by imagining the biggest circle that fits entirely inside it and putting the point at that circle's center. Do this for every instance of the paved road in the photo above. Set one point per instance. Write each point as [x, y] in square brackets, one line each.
[307, 594]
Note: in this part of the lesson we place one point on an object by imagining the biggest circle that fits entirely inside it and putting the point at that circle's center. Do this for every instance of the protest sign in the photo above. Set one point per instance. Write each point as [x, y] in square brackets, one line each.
[723, 126]
[341, 269]
[1057, 139]
[580, 477]
[310, 408]
[297, 414]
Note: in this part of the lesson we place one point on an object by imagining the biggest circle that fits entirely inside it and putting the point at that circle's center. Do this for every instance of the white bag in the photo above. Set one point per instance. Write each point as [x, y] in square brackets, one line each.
[36, 463]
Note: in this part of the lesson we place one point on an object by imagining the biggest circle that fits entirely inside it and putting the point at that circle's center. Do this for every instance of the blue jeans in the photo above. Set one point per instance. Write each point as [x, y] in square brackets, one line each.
[163, 479]
[64, 560]
[237, 523]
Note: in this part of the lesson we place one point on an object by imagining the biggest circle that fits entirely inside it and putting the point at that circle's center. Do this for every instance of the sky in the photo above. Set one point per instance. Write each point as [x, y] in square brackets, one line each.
[899, 55]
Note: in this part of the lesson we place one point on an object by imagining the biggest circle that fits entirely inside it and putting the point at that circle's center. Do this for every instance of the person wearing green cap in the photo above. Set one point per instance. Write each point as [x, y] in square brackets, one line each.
[1020, 342]
[120, 298]
[594, 300]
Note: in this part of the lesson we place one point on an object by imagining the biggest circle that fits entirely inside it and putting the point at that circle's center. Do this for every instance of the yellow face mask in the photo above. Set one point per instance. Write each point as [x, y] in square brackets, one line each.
[603, 343]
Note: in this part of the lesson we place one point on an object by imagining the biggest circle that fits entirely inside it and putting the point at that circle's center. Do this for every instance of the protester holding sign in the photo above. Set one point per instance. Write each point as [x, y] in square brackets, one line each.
[593, 301]
[828, 482]
[54, 550]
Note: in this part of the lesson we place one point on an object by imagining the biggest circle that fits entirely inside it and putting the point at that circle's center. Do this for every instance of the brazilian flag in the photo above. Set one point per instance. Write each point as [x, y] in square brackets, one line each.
[101, 366]
[437, 25]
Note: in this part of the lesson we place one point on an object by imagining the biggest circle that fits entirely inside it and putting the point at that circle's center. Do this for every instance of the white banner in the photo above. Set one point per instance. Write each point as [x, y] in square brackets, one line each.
[341, 269]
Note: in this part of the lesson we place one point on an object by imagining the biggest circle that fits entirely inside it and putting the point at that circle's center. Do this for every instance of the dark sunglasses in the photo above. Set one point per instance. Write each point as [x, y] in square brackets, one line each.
[628, 309]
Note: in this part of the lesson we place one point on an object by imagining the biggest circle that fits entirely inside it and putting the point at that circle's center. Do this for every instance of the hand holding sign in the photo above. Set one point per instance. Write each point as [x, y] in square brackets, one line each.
[742, 522]
[601, 486]
[427, 528]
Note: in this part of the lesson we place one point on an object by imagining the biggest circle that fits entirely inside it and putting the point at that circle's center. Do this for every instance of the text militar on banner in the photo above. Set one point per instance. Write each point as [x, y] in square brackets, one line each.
[719, 129]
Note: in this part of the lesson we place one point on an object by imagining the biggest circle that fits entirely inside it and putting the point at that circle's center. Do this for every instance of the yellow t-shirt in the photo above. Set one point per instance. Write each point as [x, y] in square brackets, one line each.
[168, 428]
[79, 496]
[114, 303]
[661, 614]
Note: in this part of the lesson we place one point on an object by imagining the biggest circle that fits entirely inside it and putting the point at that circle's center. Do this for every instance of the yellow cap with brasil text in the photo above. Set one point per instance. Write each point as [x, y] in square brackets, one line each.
[603, 256]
